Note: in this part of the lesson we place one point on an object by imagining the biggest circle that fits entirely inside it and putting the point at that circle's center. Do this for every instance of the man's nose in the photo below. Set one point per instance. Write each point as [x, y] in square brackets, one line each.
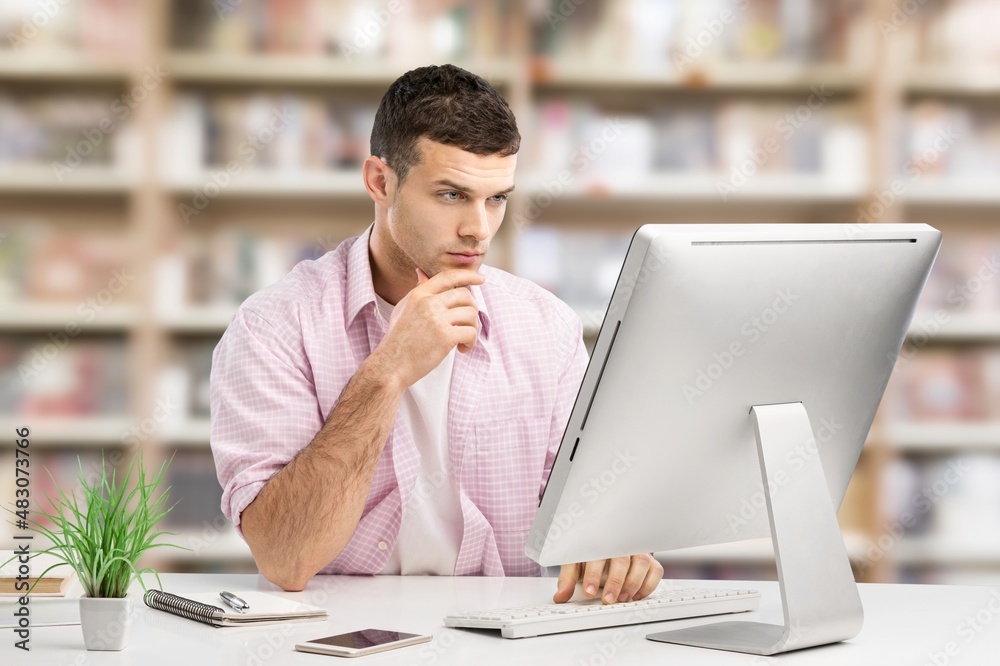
[478, 226]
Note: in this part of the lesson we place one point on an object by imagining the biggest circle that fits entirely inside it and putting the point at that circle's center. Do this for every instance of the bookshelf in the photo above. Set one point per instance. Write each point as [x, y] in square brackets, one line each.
[295, 201]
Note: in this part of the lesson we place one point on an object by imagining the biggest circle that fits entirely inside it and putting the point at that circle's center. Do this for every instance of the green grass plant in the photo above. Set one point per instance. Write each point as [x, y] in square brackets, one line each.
[103, 537]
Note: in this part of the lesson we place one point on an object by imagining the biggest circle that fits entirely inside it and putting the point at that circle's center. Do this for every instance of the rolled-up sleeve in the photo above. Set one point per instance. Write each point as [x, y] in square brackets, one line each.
[264, 408]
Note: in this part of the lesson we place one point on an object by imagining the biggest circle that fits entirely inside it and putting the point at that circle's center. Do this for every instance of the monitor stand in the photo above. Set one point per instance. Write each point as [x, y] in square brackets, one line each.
[818, 592]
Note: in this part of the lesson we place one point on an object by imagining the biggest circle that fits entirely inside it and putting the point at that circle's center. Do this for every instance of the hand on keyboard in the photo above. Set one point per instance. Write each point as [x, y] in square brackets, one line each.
[664, 604]
[618, 579]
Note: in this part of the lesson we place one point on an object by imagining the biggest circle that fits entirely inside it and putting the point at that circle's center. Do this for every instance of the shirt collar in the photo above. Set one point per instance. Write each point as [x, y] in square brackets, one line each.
[361, 289]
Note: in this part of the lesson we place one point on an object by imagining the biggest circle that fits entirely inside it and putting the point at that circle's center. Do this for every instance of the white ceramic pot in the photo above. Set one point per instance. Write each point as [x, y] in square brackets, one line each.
[105, 622]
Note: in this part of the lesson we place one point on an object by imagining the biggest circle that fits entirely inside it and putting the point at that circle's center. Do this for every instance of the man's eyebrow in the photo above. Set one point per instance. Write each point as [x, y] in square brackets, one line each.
[465, 190]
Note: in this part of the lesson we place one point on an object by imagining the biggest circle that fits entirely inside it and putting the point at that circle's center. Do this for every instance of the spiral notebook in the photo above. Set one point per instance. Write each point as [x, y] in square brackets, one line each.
[207, 607]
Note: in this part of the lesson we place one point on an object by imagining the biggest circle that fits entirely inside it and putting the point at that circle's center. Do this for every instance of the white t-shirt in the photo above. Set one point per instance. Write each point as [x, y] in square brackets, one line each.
[431, 530]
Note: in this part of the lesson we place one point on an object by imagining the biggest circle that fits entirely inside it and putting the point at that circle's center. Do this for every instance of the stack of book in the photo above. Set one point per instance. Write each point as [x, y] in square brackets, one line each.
[54, 583]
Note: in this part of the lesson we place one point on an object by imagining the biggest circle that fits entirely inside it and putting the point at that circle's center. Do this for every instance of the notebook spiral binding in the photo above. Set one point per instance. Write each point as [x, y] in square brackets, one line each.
[193, 610]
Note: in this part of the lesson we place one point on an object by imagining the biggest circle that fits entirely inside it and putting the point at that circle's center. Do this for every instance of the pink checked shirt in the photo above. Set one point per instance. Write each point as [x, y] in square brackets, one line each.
[292, 347]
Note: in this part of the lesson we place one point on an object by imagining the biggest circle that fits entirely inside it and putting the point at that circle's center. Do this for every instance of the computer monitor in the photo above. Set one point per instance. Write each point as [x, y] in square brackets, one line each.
[735, 358]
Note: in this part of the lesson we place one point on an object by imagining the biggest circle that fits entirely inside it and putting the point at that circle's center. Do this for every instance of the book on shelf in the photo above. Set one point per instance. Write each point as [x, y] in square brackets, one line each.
[57, 376]
[940, 384]
[54, 583]
[952, 142]
[81, 129]
[352, 31]
[685, 35]
[956, 284]
[958, 32]
[315, 133]
[735, 140]
[101, 29]
[580, 267]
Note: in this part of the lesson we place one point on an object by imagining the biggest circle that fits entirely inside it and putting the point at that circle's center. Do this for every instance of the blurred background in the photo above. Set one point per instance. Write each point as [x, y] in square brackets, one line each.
[160, 161]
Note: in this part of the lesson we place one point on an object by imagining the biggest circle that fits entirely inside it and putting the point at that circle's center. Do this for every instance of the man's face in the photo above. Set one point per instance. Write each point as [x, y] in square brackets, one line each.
[448, 208]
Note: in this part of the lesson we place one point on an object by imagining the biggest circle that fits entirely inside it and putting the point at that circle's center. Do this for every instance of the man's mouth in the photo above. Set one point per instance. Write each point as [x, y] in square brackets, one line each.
[465, 258]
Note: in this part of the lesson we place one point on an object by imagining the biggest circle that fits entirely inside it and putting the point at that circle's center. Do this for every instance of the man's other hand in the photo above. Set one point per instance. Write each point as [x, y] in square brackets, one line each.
[436, 316]
[618, 579]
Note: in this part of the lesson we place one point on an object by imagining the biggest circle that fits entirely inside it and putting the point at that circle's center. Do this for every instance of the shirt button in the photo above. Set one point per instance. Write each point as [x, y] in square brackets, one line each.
[382, 545]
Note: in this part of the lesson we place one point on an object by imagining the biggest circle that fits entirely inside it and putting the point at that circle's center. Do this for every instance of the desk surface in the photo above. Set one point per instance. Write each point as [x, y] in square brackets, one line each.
[904, 624]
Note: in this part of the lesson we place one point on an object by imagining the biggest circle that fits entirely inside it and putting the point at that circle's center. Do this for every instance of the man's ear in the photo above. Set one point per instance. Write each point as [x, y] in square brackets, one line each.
[380, 180]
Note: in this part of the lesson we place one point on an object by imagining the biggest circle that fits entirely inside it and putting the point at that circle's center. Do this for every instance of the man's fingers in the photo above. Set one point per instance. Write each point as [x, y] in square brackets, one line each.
[617, 571]
[636, 575]
[592, 577]
[568, 574]
[465, 315]
[464, 335]
[455, 297]
[651, 582]
[451, 278]
[421, 277]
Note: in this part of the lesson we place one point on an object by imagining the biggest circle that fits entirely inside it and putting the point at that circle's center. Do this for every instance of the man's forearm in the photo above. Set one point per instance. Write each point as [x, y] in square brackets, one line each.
[307, 513]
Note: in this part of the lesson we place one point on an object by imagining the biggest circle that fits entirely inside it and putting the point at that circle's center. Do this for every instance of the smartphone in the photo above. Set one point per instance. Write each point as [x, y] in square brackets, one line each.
[360, 643]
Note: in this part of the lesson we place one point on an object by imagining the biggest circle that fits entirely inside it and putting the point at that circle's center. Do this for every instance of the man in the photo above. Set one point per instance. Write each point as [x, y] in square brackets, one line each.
[395, 406]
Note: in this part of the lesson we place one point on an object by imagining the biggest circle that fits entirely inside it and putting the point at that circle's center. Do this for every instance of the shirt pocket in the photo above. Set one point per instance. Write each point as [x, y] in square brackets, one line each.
[509, 459]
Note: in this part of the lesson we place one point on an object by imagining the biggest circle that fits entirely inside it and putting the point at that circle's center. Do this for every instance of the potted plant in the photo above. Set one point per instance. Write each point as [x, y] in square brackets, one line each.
[102, 541]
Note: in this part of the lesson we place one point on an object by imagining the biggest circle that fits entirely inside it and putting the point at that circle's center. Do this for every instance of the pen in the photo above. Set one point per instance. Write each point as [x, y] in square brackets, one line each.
[233, 601]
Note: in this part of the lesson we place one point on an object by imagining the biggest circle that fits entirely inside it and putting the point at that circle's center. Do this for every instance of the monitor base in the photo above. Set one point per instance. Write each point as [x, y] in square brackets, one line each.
[818, 593]
[748, 637]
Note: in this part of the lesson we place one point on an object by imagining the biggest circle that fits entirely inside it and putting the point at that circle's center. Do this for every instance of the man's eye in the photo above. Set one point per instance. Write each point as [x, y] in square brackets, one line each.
[446, 194]
[500, 198]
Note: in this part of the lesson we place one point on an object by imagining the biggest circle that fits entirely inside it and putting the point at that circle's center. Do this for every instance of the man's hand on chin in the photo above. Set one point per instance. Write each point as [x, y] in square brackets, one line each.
[624, 578]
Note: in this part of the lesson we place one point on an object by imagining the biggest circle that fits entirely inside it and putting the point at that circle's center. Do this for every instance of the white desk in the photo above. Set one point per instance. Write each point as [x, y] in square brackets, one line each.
[904, 624]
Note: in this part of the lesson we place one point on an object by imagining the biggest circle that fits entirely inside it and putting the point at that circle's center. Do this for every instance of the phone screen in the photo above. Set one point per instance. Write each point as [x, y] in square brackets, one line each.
[365, 638]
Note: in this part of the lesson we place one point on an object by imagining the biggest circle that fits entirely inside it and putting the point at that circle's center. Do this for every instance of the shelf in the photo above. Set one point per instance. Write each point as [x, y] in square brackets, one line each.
[942, 551]
[954, 192]
[58, 431]
[943, 437]
[60, 67]
[203, 319]
[344, 184]
[280, 70]
[42, 179]
[954, 81]
[962, 327]
[189, 434]
[769, 77]
[42, 318]
[702, 189]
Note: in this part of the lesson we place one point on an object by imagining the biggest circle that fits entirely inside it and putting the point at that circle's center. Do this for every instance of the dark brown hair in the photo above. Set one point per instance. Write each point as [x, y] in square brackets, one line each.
[446, 104]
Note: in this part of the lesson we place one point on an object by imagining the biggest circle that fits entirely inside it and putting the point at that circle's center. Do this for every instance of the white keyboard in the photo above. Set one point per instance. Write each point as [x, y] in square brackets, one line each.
[526, 621]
